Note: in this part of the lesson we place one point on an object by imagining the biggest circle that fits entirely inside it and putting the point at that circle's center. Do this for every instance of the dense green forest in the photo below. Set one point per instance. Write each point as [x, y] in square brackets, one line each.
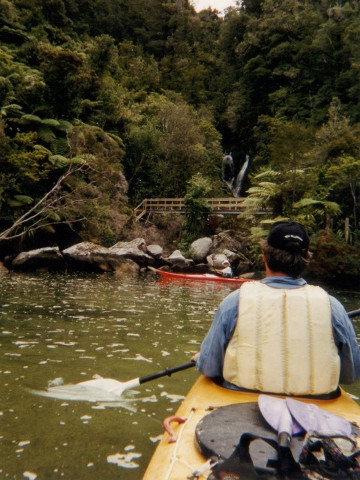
[106, 102]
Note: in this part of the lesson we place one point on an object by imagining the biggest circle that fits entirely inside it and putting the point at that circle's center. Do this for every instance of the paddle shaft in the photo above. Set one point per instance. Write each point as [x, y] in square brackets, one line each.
[354, 313]
[167, 372]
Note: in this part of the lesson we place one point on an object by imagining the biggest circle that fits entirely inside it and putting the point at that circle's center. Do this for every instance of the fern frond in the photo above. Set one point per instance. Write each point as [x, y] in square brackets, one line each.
[31, 118]
[50, 122]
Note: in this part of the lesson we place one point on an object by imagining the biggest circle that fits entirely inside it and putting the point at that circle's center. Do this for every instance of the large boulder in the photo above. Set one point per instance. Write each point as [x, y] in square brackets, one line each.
[155, 251]
[200, 248]
[89, 257]
[177, 259]
[47, 258]
[126, 267]
[227, 240]
[136, 250]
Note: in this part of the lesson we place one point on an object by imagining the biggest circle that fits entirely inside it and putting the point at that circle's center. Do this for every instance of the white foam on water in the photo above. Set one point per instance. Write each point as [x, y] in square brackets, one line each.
[151, 399]
[173, 398]
[24, 443]
[85, 417]
[139, 358]
[30, 475]
[24, 344]
[124, 460]
[156, 439]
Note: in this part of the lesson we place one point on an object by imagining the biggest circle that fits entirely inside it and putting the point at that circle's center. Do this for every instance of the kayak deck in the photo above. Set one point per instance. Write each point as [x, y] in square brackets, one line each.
[201, 276]
[177, 461]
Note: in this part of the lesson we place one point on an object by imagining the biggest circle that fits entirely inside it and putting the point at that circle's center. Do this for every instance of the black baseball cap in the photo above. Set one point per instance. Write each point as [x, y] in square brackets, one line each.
[289, 236]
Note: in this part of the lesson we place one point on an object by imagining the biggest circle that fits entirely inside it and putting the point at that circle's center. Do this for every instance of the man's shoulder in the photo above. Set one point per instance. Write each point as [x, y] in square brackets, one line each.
[337, 308]
[231, 301]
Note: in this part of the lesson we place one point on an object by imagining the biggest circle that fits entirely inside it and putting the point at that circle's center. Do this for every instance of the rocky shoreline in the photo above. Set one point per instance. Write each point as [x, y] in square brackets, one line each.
[328, 268]
[206, 254]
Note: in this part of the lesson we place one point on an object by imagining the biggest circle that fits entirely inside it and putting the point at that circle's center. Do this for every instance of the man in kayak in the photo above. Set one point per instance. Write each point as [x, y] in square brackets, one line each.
[282, 335]
[226, 271]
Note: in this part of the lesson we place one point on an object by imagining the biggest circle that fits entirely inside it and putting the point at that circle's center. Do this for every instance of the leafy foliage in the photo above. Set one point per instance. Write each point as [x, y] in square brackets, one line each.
[149, 94]
[197, 208]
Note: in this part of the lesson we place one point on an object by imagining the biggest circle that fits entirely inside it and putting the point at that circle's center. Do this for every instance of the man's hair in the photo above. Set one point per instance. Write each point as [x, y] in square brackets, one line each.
[291, 263]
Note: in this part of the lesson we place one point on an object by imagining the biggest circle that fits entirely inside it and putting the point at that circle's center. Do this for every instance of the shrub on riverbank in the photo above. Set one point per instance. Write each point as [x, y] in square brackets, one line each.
[335, 262]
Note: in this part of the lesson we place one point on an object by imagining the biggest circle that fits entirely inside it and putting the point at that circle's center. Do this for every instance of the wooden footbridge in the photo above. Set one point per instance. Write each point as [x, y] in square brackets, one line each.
[224, 206]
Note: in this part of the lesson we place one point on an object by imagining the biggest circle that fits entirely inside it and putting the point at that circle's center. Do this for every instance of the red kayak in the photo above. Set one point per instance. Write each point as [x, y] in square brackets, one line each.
[201, 276]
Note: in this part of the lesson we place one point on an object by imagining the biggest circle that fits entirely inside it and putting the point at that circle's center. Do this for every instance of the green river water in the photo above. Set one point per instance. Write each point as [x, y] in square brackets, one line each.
[67, 328]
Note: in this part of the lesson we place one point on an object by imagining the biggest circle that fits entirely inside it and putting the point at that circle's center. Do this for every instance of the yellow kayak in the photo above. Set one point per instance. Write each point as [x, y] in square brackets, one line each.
[182, 459]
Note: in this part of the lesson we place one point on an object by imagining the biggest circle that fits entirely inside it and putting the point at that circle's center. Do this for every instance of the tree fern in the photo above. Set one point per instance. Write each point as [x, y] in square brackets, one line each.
[11, 110]
[59, 161]
[30, 118]
[47, 135]
[51, 122]
[61, 146]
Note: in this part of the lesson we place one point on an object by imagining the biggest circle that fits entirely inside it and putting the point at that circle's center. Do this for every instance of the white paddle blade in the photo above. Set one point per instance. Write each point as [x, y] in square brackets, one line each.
[313, 418]
[277, 415]
[110, 385]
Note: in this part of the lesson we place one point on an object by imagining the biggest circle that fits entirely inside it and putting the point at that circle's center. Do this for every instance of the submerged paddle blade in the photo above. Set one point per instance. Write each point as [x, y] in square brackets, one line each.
[276, 413]
[110, 385]
[313, 418]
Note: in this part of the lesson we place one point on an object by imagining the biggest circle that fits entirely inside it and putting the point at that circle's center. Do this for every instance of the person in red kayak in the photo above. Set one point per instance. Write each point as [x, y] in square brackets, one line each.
[281, 335]
[226, 271]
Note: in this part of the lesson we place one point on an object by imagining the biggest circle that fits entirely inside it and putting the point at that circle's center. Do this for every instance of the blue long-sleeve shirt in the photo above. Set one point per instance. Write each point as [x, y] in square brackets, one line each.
[211, 359]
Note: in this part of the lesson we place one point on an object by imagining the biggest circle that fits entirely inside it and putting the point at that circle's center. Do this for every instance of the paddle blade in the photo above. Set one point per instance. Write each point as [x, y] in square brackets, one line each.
[313, 418]
[110, 385]
[276, 413]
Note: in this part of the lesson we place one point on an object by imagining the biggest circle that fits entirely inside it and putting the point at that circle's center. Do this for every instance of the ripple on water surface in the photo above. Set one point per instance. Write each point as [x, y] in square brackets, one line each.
[57, 331]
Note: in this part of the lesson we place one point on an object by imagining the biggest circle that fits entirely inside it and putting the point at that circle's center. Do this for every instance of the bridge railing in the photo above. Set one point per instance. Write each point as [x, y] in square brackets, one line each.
[227, 206]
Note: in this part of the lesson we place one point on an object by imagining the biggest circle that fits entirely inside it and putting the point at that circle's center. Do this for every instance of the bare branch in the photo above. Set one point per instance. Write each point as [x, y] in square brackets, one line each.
[38, 210]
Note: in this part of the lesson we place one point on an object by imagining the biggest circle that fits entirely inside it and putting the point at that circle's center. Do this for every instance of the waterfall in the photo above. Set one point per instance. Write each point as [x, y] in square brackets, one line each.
[228, 174]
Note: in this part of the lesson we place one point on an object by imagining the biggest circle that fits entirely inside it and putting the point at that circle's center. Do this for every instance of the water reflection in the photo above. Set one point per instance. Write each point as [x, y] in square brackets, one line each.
[59, 330]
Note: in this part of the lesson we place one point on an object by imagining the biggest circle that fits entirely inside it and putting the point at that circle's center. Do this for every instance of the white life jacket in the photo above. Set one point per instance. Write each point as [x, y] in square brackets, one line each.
[283, 341]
